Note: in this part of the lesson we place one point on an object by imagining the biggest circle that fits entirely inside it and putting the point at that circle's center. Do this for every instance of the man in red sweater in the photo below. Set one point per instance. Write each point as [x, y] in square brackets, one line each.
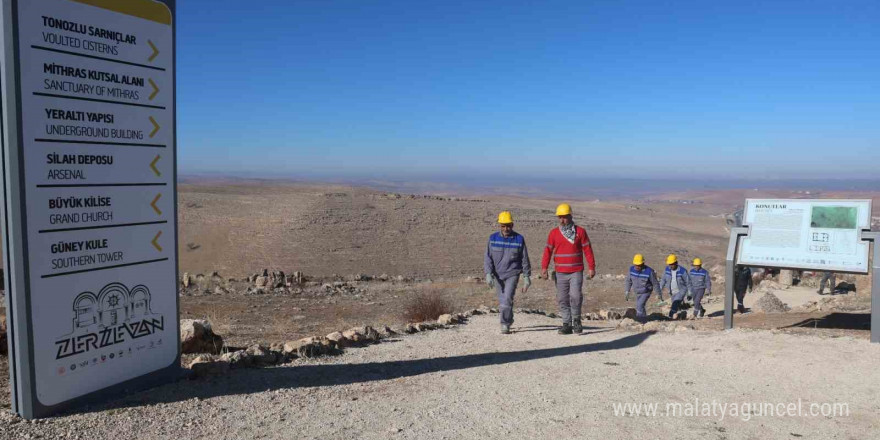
[569, 244]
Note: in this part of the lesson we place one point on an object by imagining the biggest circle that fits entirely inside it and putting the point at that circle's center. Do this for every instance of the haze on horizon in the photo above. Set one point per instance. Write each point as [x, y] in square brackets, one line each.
[631, 89]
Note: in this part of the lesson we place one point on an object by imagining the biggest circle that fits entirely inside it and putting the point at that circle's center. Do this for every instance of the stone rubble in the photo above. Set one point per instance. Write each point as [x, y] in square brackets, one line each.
[256, 356]
[277, 282]
[655, 325]
[770, 303]
[196, 336]
[214, 358]
[212, 362]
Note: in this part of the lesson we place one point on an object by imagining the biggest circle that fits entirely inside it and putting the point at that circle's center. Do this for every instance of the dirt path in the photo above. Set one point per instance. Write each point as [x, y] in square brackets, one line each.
[793, 296]
[470, 382]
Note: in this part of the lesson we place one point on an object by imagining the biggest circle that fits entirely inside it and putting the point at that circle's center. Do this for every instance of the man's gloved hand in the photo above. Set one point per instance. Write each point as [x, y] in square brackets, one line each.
[527, 282]
[626, 296]
[490, 280]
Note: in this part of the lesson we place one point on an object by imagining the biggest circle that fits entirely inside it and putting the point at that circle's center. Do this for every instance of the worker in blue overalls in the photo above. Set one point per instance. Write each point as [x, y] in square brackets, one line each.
[643, 280]
[676, 277]
[701, 284]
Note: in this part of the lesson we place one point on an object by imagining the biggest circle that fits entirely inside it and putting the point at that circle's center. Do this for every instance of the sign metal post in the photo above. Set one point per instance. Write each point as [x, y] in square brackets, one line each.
[735, 234]
[874, 237]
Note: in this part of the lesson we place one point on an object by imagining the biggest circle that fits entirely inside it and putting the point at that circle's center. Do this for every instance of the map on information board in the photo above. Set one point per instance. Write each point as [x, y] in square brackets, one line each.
[806, 234]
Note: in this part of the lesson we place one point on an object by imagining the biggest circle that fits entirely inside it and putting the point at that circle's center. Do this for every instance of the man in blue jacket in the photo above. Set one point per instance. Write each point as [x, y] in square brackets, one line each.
[701, 284]
[643, 280]
[507, 258]
[676, 277]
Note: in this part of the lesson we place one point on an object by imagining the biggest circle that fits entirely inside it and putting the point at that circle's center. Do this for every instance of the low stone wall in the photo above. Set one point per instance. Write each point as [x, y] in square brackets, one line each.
[258, 355]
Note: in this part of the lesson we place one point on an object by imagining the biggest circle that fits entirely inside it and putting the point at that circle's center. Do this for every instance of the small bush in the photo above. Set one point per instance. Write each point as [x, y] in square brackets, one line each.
[426, 307]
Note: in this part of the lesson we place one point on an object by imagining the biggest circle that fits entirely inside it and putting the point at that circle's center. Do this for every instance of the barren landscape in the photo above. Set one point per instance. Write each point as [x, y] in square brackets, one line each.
[267, 262]
[467, 382]
[385, 246]
[292, 220]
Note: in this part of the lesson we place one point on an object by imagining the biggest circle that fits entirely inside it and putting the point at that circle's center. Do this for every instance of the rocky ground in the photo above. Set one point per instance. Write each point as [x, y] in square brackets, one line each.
[470, 382]
[248, 311]
[323, 230]
[339, 258]
[339, 241]
[271, 306]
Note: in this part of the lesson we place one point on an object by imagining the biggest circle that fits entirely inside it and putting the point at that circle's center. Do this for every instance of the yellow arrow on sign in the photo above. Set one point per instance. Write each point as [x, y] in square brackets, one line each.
[153, 204]
[155, 244]
[155, 88]
[155, 51]
[153, 165]
[155, 127]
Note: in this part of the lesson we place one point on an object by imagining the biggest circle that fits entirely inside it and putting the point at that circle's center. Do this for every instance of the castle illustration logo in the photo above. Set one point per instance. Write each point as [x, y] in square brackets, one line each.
[115, 315]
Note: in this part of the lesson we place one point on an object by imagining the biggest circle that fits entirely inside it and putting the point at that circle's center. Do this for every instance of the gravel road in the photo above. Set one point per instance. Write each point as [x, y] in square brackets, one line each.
[470, 382]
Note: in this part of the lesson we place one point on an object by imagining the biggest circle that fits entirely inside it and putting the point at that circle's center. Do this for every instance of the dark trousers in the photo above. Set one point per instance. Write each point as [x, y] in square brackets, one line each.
[569, 295]
[827, 276]
[740, 296]
[641, 302]
[677, 298]
[698, 298]
[506, 289]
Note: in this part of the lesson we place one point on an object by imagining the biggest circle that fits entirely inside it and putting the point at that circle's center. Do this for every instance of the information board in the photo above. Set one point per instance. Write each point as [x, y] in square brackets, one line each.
[90, 187]
[806, 234]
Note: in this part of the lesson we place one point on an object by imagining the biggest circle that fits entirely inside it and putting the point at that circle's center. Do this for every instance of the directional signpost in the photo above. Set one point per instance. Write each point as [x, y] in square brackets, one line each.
[89, 213]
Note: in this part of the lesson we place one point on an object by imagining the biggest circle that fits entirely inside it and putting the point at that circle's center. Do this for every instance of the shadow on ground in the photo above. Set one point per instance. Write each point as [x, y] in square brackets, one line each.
[718, 313]
[547, 328]
[837, 320]
[303, 376]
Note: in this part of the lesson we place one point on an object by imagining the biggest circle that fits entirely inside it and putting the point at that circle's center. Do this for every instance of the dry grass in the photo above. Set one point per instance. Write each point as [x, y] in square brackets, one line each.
[280, 326]
[219, 320]
[427, 306]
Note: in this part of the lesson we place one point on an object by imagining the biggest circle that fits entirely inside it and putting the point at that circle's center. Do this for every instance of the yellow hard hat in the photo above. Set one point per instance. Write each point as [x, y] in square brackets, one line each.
[563, 209]
[698, 262]
[638, 259]
[505, 218]
[671, 259]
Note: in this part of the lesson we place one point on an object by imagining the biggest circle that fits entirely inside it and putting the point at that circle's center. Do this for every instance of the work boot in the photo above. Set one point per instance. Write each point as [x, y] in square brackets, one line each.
[741, 309]
[505, 329]
[702, 313]
[576, 326]
[565, 329]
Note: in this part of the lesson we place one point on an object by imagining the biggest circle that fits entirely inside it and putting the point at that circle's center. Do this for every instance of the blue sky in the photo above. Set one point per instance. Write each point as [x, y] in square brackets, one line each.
[646, 89]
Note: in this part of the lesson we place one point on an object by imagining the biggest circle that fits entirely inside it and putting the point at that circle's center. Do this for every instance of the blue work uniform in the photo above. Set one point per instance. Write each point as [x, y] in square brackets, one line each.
[682, 280]
[642, 282]
[506, 258]
[701, 284]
